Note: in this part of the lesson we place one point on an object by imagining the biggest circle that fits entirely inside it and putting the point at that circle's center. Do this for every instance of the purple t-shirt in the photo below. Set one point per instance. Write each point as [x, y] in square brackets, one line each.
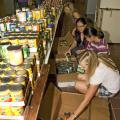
[100, 47]
[20, 1]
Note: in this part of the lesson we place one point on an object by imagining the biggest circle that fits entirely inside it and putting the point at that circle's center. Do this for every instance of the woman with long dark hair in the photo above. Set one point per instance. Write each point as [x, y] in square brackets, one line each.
[79, 42]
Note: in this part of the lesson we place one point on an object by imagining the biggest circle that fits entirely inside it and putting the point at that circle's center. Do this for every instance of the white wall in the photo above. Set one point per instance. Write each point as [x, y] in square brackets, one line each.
[91, 6]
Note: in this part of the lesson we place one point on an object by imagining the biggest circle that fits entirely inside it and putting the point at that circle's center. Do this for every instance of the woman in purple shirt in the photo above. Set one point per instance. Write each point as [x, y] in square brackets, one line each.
[96, 40]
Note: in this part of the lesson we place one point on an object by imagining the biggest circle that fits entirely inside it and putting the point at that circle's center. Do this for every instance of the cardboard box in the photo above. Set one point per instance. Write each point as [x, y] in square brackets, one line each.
[62, 57]
[68, 38]
[64, 43]
[66, 80]
[55, 103]
[62, 50]
[52, 66]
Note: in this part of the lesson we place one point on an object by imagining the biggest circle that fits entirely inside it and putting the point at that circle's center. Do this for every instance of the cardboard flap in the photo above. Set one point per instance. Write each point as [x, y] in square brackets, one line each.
[70, 102]
[62, 57]
[100, 109]
[50, 104]
[66, 77]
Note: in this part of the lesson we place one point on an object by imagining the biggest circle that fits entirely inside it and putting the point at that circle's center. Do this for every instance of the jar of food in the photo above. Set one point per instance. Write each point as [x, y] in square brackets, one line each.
[4, 94]
[15, 55]
[17, 93]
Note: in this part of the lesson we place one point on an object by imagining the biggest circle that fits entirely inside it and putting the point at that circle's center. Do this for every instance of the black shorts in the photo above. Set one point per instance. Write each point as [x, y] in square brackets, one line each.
[103, 92]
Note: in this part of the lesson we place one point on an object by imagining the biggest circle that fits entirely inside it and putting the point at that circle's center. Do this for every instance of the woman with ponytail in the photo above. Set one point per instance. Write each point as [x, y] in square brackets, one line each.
[97, 76]
[96, 40]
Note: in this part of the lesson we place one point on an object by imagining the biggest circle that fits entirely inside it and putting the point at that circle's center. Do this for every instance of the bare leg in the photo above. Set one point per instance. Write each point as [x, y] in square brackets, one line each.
[81, 86]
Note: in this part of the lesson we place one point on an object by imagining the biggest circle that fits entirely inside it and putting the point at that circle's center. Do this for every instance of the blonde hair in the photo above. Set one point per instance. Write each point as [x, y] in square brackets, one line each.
[104, 58]
[94, 59]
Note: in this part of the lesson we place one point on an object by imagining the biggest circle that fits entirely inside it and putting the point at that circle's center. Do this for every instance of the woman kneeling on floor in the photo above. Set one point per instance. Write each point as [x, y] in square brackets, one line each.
[98, 76]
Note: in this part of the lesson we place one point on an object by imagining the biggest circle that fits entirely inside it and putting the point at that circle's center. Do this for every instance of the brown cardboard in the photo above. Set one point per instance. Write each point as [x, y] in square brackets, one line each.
[66, 77]
[70, 102]
[100, 106]
[55, 103]
[66, 80]
[69, 40]
[62, 50]
[62, 57]
[50, 104]
[52, 66]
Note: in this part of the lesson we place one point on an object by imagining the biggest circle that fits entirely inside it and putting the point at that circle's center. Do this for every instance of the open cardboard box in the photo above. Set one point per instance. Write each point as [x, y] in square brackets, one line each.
[66, 80]
[55, 103]
[64, 48]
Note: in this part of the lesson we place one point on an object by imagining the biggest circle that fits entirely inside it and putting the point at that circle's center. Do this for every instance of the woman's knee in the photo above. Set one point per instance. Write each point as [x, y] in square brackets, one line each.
[81, 86]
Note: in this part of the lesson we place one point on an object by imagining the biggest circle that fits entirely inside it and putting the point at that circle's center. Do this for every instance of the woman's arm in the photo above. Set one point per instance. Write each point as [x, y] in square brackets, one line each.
[73, 32]
[88, 97]
[71, 47]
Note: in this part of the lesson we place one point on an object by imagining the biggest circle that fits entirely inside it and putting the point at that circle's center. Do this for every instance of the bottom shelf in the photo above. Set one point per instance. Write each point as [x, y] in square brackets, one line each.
[11, 117]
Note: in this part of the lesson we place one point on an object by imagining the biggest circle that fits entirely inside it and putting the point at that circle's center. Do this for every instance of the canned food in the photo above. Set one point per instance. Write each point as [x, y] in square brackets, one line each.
[21, 16]
[17, 93]
[20, 80]
[26, 51]
[22, 28]
[6, 80]
[12, 27]
[3, 50]
[29, 69]
[15, 55]
[8, 26]
[29, 60]
[28, 27]
[42, 12]
[4, 66]
[50, 30]
[33, 42]
[23, 41]
[2, 27]
[17, 110]
[4, 40]
[33, 14]
[29, 15]
[37, 15]
[2, 110]
[10, 73]
[14, 41]
[22, 72]
[1, 72]
[36, 27]
[4, 94]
